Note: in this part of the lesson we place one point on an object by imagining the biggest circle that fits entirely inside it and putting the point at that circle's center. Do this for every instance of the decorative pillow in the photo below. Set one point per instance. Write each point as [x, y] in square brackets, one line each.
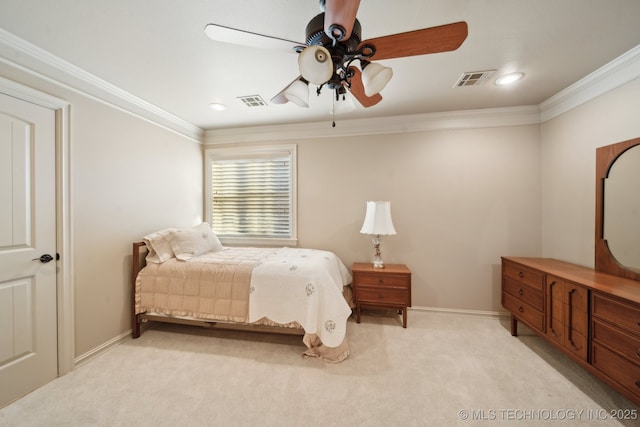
[190, 242]
[159, 246]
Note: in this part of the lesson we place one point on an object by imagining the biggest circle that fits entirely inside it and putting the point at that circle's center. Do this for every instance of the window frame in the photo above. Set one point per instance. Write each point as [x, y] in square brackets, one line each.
[255, 152]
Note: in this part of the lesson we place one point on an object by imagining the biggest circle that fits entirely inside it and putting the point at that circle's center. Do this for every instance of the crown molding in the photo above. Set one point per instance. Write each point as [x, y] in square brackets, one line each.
[616, 73]
[21, 54]
[468, 119]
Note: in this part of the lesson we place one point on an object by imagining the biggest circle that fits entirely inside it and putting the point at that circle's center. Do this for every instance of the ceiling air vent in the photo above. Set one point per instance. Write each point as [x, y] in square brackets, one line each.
[474, 78]
[253, 101]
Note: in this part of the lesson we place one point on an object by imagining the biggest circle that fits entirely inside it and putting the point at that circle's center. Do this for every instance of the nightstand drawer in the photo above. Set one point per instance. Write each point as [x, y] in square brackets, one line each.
[383, 296]
[382, 280]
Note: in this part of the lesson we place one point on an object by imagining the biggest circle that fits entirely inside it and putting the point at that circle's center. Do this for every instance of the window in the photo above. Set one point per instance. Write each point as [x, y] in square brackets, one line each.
[251, 194]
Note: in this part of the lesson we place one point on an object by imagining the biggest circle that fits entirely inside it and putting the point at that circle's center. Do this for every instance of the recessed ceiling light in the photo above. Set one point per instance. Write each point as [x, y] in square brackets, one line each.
[217, 106]
[509, 78]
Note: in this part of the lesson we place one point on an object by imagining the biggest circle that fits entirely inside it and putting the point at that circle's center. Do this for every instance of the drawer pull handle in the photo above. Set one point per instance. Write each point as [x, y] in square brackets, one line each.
[520, 274]
[520, 309]
[638, 324]
[381, 281]
[520, 292]
[638, 354]
[638, 383]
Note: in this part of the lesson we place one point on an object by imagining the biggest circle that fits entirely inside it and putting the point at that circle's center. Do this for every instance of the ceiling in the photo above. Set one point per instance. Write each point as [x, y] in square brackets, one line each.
[156, 50]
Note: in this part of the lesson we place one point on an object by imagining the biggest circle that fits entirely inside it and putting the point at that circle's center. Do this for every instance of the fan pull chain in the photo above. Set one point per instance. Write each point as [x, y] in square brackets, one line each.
[333, 113]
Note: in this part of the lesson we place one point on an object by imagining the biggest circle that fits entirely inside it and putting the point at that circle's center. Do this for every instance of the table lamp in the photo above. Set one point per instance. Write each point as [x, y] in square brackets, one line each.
[377, 222]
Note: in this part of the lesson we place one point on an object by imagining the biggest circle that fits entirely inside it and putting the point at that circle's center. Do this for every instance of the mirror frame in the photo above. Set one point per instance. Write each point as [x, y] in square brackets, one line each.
[605, 158]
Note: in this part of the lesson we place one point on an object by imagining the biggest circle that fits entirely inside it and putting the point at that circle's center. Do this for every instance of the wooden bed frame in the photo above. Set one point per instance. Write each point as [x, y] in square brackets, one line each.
[138, 262]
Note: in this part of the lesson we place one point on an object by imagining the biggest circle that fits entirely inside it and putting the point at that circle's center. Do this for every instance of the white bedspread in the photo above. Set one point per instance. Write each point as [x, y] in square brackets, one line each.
[311, 282]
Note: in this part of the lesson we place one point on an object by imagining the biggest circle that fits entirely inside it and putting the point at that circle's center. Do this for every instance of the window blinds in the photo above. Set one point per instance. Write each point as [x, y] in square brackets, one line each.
[252, 197]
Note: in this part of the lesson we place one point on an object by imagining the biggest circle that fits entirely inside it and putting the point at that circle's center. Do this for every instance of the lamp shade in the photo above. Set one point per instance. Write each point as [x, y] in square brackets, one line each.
[377, 220]
[315, 64]
[298, 93]
[375, 77]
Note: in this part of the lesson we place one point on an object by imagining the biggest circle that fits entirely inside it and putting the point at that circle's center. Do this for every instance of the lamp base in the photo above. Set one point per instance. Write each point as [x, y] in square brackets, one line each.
[377, 263]
[377, 259]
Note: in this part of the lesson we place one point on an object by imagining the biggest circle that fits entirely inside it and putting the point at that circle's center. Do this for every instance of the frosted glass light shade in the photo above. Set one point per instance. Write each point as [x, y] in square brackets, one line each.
[375, 77]
[298, 93]
[507, 79]
[377, 220]
[315, 64]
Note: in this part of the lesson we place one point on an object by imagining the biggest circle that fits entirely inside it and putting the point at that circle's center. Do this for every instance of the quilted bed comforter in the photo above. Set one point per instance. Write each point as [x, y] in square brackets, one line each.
[287, 286]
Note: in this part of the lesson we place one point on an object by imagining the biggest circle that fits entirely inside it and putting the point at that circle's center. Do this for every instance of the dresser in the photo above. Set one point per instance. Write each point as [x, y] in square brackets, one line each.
[593, 317]
[388, 287]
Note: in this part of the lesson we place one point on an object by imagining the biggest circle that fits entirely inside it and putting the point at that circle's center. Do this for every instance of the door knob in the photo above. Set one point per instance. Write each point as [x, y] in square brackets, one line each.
[44, 258]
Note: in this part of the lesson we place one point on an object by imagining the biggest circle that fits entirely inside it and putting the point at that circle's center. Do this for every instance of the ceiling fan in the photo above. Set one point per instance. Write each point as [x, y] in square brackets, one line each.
[333, 46]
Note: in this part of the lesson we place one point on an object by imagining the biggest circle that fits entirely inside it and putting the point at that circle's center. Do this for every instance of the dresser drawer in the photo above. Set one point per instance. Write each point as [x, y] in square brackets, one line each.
[531, 278]
[617, 368]
[524, 311]
[382, 280]
[386, 296]
[619, 313]
[524, 293]
[617, 340]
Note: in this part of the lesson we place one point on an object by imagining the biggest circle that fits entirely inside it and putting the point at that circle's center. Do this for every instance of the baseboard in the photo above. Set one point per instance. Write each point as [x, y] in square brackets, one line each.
[103, 348]
[457, 311]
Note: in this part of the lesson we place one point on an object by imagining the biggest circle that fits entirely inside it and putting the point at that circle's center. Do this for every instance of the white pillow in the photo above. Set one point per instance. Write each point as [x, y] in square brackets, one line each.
[159, 246]
[190, 242]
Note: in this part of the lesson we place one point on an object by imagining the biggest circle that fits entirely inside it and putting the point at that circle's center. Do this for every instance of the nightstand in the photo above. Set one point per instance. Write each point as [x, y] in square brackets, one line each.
[388, 287]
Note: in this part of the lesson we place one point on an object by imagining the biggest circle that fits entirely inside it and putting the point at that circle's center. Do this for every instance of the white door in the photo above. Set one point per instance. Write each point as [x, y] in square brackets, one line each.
[28, 320]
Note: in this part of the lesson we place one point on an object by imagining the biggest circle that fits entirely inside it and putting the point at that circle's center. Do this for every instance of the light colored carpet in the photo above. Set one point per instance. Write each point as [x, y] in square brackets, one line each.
[440, 370]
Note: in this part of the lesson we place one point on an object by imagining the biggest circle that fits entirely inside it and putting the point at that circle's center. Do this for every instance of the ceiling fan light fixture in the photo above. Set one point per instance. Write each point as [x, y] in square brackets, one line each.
[315, 64]
[375, 77]
[298, 93]
[507, 79]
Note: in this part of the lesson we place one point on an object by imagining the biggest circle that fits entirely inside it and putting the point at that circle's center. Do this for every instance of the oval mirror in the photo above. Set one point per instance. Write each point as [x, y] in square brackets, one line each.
[622, 209]
[617, 230]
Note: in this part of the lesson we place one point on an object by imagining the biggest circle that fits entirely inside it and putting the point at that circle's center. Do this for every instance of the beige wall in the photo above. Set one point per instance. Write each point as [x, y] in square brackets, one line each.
[459, 199]
[569, 144]
[129, 177]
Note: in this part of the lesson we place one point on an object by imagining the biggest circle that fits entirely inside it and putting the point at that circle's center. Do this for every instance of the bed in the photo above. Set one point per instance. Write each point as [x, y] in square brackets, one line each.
[184, 275]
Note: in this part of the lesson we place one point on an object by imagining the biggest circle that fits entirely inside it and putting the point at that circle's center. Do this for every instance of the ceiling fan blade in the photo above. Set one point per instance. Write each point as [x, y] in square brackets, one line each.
[340, 13]
[224, 34]
[357, 90]
[443, 38]
[280, 98]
